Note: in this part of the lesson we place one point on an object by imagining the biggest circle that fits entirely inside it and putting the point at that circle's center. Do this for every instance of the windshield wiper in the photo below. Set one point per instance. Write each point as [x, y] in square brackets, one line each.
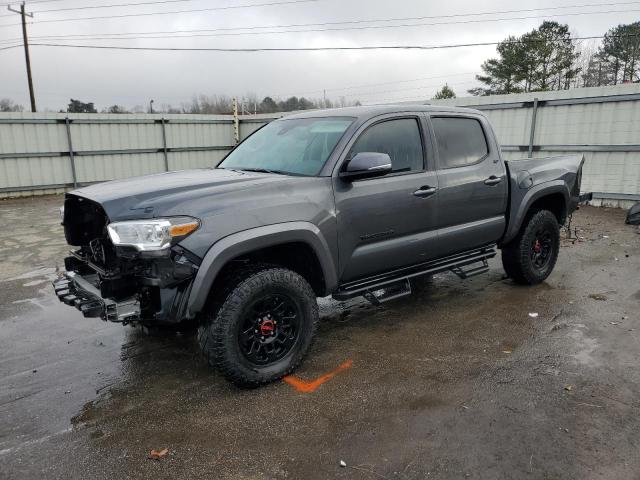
[263, 170]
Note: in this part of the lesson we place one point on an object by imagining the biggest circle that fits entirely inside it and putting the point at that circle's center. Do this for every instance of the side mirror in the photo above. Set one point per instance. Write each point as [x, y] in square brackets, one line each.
[367, 164]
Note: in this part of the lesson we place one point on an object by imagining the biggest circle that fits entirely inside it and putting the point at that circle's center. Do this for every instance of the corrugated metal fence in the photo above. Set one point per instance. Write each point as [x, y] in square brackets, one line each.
[47, 153]
[50, 152]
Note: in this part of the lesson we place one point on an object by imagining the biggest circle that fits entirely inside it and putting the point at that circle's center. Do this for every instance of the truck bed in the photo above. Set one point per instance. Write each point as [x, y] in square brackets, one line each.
[531, 178]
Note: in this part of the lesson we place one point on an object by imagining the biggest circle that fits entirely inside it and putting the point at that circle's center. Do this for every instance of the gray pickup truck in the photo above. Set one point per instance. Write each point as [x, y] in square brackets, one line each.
[346, 202]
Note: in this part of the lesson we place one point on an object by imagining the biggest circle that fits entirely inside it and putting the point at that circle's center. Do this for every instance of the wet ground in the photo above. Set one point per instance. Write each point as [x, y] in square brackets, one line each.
[460, 380]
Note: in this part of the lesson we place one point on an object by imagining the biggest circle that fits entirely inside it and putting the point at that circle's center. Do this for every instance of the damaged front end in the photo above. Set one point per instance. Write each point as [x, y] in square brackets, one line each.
[126, 271]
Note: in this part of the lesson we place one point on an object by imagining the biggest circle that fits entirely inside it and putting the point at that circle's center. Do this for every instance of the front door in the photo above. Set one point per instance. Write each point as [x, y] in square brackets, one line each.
[390, 221]
[472, 194]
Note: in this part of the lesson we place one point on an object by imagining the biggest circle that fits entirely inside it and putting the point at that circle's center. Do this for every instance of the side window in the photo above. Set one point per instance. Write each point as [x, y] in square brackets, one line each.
[400, 139]
[460, 141]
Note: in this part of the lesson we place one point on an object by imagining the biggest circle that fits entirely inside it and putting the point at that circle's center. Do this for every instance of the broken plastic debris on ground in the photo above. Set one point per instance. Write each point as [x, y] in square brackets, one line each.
[598, 296]
[158, 454]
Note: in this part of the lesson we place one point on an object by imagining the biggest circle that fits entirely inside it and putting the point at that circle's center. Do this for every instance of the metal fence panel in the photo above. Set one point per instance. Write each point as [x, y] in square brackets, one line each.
[203, 159]
[23, 173]
[183, 135]
[36, 154]
[97, 168]
[511, 126]
[250, 125]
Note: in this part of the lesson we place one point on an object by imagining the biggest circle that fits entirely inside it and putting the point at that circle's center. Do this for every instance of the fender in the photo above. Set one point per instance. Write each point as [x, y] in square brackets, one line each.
[520, 204]
[253, 239]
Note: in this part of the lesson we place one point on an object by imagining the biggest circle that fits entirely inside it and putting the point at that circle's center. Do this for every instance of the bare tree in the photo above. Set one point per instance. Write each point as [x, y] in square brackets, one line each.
[8, 105]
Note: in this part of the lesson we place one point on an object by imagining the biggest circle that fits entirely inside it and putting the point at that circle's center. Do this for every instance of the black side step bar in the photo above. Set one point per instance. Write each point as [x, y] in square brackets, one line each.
[471, 272]
[398, 280]
[401, 288]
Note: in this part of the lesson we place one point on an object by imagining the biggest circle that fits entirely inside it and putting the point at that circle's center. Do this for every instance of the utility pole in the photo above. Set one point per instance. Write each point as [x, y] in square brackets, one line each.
[151, 106]
[25, 41]
[236, 121]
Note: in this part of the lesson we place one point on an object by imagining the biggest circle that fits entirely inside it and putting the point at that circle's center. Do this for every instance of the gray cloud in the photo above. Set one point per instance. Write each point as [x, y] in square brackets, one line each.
[131, 78]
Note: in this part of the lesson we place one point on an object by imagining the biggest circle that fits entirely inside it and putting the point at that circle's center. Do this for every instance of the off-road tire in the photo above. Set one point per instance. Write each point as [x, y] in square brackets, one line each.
[517, 254]
[223, 316]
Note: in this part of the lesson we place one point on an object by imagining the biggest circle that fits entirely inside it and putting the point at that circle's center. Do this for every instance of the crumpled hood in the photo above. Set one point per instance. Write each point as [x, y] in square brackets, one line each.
[165, 193]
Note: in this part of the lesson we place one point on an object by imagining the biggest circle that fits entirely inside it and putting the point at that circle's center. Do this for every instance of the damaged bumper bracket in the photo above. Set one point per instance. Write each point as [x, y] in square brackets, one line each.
[79, 291]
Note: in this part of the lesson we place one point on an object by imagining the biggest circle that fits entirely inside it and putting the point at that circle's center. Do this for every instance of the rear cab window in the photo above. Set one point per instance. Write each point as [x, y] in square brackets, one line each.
[461, 141]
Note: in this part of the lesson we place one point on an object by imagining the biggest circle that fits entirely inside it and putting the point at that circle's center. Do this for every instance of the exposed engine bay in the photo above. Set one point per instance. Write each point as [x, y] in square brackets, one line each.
[120, 283]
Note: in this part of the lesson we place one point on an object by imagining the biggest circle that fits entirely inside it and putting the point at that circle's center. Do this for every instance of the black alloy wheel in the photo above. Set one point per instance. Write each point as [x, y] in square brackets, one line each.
[541, 249]
[270, 329]
[530, 257]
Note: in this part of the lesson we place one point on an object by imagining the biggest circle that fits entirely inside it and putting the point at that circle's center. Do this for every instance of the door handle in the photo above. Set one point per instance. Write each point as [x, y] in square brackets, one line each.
[492, 180]
[425, 191]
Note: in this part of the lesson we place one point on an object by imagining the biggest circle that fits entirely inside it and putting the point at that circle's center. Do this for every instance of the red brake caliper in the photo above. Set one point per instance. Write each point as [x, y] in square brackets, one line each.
[537, 247]
[267, 328]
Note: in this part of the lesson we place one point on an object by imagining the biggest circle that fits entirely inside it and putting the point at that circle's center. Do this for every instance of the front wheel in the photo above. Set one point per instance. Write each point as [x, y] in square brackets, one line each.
[263, 328]
[530, 257]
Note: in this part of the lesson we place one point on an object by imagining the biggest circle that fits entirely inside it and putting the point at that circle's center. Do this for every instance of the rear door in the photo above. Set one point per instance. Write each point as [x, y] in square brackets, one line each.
[390, 221]
[472, 182]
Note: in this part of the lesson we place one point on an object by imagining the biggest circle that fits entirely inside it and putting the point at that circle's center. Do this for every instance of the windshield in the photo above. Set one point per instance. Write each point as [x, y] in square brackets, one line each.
[297, 146]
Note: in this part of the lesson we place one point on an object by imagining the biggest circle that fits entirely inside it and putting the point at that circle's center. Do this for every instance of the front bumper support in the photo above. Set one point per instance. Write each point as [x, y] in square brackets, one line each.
[80, 291]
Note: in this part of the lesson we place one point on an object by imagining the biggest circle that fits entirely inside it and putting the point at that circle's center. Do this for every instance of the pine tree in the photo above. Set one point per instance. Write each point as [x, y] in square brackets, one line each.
[504, 74]
[621, 50]
[444, 92]
[543, 59]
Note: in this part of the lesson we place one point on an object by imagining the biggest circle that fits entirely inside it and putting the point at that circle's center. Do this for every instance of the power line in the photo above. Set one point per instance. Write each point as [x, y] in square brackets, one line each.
[343, 22]
[34, 1]
[359, 96]
[587, 5]
[113, 5]
[131, 36]
[375, 27]
[409, 98]
[368, 94]
[155, 2]
[365, 85]
[174, 12]
[305, 49]
[405, 99]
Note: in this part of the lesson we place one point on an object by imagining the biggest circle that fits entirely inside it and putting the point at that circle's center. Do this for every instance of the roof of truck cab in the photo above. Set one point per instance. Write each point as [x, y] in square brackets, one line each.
[375, 110]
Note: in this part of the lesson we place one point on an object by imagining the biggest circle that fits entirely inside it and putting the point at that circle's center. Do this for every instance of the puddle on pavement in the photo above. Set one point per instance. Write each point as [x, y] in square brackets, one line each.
[106, 380]
[48, 273]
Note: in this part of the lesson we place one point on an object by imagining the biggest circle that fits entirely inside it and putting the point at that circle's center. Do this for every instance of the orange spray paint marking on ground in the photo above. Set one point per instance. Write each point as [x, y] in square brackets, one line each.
[308, 387]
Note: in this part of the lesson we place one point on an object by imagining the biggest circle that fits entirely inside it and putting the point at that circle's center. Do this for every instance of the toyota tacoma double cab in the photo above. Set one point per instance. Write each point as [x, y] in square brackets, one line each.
[344, 202]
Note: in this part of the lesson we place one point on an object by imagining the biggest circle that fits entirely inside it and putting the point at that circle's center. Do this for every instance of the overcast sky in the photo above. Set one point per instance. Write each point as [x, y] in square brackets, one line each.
[134, 77]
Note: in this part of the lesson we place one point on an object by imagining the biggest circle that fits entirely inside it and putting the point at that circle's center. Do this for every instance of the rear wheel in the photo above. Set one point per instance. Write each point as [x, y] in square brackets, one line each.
[263, 328]
[530, 257]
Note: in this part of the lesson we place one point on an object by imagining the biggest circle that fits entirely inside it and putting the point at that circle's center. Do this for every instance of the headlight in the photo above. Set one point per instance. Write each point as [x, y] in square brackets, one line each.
[154, 234]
